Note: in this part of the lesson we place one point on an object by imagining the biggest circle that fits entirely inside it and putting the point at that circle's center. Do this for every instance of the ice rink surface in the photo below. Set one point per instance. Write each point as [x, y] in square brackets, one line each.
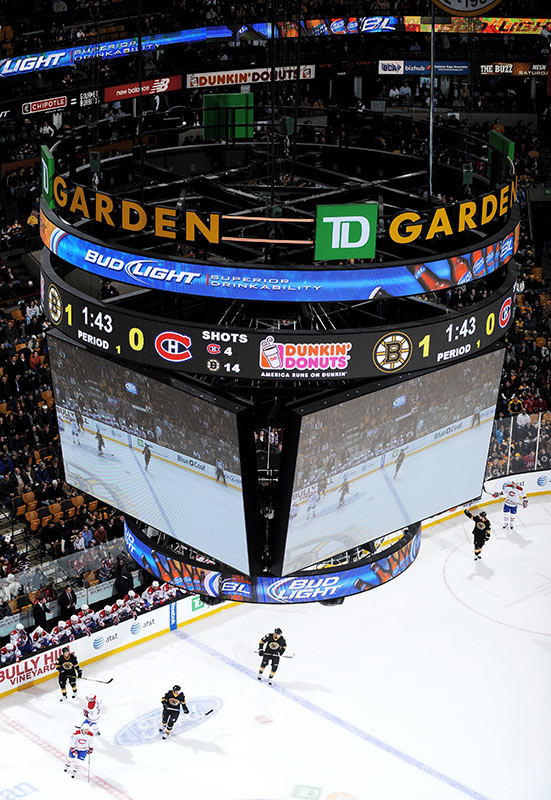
[214, 518]
[432, 687]
[378, 502]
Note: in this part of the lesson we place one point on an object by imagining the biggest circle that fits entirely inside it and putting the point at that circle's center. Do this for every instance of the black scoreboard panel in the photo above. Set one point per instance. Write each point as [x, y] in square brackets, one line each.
[279, 355]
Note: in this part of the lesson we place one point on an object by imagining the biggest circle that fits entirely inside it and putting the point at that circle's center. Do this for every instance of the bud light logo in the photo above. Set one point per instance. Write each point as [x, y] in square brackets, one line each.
[135, 628]
[304, 589]
[98, 642]
[173, 346]
[543, 480]
[505, 312]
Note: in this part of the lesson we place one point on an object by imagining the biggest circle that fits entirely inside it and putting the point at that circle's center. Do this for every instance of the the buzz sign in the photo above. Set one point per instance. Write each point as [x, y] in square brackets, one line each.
[48, 169]
[345, 231]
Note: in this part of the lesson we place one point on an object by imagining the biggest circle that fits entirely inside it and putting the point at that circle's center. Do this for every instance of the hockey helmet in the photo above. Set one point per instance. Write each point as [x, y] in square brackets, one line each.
[483, 514]
[85, 607]
[107, 608]
[132, 593]
[277, 630]
[61, 624]
[120, 602]
[19, 627]
[155, 584]
[65, 650]
[176, 688]
[74, 618]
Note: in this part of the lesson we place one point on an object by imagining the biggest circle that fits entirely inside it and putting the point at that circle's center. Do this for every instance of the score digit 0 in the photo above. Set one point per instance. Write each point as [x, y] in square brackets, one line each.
[490, 323]
[136, 339]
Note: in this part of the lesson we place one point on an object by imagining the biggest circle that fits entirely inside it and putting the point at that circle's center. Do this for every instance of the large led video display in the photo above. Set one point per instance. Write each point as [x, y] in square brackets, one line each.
[164, 456]
[371, 465]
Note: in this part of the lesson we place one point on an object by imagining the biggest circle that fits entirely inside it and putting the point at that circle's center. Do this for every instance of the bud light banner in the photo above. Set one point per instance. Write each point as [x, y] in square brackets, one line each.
[296, 285]
[306, 588]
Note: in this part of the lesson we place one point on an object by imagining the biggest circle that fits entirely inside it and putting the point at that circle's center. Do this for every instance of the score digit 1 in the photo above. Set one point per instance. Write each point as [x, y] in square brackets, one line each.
[424, 344]
[69, 311]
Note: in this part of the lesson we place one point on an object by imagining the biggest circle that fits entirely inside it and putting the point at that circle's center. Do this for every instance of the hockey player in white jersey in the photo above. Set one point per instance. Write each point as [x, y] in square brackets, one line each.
[81, 746]
[92, 713]
[62, 633]
[87, 617]
[153, 595]
[134, 603]
[119, 611]
[79, 627]
[75, 432]
[21, 639]
[9, 654]
[41, 638]
[313, 501]
[105, 617]
[170, 592]
[514, 494]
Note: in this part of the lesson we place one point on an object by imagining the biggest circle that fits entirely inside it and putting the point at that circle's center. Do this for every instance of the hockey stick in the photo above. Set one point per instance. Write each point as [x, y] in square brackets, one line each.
[205, 714]
[89, 759]
[281, 655]
[95, 680]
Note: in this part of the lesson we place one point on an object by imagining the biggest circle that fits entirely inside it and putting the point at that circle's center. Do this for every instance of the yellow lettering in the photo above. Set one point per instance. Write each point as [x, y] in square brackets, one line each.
[104, 207]
[514, 183]
[488, 200]
[440, 224]
[59, 195]
[412, 231]
[210, 232]
[127, 207]
[467, 210]
[165, 222]
[504, 200]
[78, 202]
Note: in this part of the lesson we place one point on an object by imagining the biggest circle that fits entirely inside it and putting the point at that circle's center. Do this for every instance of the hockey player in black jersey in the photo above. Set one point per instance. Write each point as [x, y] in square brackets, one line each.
[345, 489]
[100, 441]
[399, 462]
[271, 647]
[172, 701]
[69, 670]
[481, 531]
[146, 452]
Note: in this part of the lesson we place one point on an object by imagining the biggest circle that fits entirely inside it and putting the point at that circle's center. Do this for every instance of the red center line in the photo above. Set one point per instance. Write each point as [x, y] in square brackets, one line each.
[60, 756]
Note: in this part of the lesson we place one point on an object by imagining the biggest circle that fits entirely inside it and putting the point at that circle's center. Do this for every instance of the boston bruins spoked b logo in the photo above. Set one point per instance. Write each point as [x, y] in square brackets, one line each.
[392, 352]
[55, 306]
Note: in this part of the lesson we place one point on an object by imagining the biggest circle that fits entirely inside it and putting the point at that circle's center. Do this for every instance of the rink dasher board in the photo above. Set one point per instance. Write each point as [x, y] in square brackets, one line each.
[106, 642]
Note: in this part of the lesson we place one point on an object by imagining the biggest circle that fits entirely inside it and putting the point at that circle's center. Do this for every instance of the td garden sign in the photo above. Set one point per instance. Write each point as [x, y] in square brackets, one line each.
[337, 232]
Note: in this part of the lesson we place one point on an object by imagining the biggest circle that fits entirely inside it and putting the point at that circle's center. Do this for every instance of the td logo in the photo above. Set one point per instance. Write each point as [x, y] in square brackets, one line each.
[345, 232]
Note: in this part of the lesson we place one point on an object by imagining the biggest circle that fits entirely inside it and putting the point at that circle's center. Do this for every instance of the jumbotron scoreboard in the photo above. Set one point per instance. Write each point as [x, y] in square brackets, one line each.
[264, 387]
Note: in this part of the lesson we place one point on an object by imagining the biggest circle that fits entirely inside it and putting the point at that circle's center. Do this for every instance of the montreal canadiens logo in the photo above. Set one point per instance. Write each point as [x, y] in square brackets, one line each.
[214, 349]
[505, 312]
[173, 346]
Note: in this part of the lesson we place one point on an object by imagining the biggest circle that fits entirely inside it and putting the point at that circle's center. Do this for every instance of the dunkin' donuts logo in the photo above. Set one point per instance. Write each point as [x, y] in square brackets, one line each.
[318, 357]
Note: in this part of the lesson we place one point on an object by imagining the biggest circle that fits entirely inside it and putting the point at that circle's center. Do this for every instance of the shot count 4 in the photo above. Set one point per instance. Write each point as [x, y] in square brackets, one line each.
[301, 355]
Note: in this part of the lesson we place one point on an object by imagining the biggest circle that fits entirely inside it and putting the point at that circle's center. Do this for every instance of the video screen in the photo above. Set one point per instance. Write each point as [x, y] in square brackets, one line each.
[374, 464]
[158, 454]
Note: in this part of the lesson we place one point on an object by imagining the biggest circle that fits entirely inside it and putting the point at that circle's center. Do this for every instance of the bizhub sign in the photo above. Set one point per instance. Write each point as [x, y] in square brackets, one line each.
[399, 67]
